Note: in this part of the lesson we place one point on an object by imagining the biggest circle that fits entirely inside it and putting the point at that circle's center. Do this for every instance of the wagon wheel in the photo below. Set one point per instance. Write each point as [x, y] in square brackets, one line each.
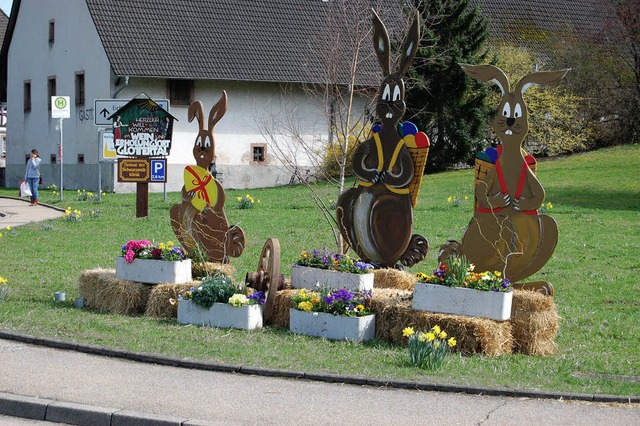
[268, 277]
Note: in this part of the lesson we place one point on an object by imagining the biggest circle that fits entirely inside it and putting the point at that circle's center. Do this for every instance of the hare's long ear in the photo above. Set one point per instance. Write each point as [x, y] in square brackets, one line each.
[541, 78]
[218, 110]
[489, 73]
[196, 110]
[381, 44]
[410, 46]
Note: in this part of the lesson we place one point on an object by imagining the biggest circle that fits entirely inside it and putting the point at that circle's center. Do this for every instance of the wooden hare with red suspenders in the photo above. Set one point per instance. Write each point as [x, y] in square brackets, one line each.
[506, 232]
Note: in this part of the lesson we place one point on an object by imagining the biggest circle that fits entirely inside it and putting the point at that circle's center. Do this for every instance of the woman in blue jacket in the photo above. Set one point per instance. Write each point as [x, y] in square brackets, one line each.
[32, 175]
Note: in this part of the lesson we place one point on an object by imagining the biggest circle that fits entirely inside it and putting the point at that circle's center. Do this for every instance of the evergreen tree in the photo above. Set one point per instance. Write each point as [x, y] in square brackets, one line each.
[442, 102]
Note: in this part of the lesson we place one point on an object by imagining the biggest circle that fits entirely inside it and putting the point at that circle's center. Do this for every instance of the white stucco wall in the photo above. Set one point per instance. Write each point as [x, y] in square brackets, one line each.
[247, 106]
[76, 48]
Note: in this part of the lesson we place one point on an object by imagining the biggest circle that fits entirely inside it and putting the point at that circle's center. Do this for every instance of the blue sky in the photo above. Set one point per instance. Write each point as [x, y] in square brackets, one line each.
[6, 6]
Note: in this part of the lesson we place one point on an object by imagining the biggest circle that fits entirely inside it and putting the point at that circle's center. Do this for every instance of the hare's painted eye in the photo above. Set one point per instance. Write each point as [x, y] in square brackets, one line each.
[386, 94]
[396, 93]
[198, 141]
[506, 110]
[207, 143]
[517, 111]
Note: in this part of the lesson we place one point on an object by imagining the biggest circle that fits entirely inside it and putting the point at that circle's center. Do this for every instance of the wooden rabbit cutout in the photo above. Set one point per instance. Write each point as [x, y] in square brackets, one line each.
[200, 221]
[376, 217]
[506, 232]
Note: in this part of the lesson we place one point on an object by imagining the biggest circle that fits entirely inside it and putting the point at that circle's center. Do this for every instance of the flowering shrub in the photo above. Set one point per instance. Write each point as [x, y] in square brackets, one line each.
[335, 261]
[455, 201]
[4, 288]
[336, 302]
[88, 196]
[220, 289]
[74, 215]
[246, 202]
[545, 207]
[144, 249]
[457, 272]
[428, 350]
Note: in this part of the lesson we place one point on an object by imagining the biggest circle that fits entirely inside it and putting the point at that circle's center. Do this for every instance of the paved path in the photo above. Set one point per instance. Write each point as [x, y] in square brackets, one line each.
[71, 387]
[17, 211]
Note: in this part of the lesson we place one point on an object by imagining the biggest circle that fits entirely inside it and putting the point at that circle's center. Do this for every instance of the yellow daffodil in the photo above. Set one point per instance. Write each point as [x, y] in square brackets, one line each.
[442, 335]
[8, 228]
[430, 336]
[436, 329]
[422, 337]
[408, 331]
[452, 342]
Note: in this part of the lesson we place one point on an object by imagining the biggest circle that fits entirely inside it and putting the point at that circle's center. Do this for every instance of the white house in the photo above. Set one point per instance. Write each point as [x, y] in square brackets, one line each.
[260, 53]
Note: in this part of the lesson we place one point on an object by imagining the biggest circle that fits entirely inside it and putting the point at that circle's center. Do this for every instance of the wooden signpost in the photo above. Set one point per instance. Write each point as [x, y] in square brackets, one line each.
[142, 132]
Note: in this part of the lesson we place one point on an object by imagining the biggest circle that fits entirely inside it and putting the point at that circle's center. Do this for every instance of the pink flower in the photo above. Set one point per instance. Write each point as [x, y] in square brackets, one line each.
[129, 256]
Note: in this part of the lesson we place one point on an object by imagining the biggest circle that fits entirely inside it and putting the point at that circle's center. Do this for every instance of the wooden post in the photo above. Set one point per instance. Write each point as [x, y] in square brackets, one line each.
[142, 199]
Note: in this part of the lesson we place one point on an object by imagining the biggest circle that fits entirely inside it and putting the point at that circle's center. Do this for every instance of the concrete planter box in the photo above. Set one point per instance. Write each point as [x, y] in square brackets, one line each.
[334, 327]
[152, 271]
[220, 315]
[462, 301]
[311, 278]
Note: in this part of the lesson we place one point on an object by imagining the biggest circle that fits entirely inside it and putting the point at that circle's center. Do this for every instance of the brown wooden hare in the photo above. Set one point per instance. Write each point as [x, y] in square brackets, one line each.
[506, 232]
[200, 220]
[376, 217]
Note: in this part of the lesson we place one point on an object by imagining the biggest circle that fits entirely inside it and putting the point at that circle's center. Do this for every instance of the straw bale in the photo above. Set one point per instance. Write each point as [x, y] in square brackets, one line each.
[101, 290]
[159, 304]
[280, 316]
[201, 270]
[393, 278]
[535, 323]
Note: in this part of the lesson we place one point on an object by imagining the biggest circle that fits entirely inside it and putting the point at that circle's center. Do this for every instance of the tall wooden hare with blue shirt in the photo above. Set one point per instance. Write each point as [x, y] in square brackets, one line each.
[376, 217]
[507, 233]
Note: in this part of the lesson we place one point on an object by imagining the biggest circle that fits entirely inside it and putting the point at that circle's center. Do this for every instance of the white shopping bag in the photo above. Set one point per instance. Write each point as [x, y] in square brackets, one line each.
[25, 191]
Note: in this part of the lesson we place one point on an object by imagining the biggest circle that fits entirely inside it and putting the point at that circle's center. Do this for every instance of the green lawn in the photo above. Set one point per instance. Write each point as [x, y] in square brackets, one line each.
[596, 202]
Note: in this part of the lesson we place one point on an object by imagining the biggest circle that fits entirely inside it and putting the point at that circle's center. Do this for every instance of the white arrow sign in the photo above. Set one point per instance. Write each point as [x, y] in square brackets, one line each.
[105, 107]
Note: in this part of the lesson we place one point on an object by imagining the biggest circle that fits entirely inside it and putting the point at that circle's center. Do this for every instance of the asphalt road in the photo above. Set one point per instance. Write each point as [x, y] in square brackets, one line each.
[86, 383]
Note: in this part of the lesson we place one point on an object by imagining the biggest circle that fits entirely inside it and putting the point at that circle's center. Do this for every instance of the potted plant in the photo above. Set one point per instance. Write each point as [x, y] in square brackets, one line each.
[322, 268]
[333, 314]
[153, 263]
[217, 302]
[454, 288]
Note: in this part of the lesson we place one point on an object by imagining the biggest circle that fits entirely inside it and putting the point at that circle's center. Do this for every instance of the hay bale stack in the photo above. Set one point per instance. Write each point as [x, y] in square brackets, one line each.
[101, 290]
[201, 270]
[280, 316]
[393, 278]
[159, 304]
[474, 335]
[534, 322]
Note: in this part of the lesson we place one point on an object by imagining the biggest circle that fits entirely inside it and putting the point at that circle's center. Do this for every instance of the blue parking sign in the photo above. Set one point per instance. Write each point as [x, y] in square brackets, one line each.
[159, 170]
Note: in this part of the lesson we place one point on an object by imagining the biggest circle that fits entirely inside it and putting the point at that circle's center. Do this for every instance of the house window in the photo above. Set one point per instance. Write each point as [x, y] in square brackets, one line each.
[27, 96]
[258, 154]
[51, 89]
[80, 158]
[80, 88]
[52, 31]
[180, 91]
[53, 159]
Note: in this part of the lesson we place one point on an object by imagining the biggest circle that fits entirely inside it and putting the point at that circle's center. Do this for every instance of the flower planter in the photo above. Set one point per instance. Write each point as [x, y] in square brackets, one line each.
[152, 271]
[462, 301]
[220, 315]
[311, 278]
[335, 327]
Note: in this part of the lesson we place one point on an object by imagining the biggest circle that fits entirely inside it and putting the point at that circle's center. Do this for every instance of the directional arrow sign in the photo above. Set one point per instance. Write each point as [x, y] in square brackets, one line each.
[105, 107]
